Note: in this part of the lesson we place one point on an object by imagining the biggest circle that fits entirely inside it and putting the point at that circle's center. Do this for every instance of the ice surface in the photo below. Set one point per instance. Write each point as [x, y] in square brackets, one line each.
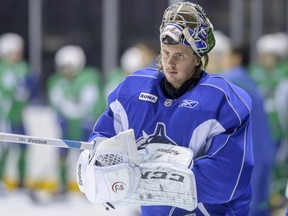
[19, 204]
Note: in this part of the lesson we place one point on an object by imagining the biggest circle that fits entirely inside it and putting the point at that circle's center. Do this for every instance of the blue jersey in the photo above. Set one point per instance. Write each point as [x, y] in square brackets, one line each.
[262, 142]
[212, 119]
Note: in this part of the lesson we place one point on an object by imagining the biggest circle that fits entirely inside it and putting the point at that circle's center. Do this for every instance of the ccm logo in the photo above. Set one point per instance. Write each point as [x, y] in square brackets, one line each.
[148, 97]
[118, 186]
[163, 175]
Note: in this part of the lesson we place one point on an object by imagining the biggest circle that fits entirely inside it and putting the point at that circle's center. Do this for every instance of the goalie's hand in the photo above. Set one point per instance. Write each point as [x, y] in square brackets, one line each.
[112, 172]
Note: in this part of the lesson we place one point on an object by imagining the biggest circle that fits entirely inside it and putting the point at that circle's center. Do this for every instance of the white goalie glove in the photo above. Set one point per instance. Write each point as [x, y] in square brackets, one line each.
[112, 171]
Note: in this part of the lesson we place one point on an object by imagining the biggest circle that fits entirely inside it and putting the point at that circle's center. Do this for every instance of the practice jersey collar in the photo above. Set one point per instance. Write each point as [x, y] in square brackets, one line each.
[172, 93]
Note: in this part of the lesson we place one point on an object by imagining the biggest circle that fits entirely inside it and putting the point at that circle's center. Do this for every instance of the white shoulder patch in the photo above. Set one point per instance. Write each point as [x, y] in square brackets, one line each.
[148, 97]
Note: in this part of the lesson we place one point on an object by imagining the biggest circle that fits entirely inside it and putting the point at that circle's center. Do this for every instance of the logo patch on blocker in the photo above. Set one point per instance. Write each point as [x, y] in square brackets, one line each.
[118, 186]
[188, 103]
[148, 97]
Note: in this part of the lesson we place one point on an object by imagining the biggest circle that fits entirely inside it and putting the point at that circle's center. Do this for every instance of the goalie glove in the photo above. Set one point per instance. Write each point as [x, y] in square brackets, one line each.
[166, 177]
[112, 172]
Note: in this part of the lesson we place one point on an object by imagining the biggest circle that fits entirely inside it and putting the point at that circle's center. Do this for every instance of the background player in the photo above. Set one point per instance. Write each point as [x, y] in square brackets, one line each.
[75, 94]
[14, 78]
[142, 54]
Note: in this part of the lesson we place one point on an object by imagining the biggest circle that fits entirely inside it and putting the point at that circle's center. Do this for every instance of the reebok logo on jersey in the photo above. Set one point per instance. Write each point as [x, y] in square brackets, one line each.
[148, 97]
[188, 103]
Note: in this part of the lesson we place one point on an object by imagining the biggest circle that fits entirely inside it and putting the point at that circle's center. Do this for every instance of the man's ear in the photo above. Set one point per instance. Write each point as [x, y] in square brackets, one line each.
[198, 61]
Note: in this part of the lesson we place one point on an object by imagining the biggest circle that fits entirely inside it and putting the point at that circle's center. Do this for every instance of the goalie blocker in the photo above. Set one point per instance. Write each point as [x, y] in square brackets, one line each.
[115, 172]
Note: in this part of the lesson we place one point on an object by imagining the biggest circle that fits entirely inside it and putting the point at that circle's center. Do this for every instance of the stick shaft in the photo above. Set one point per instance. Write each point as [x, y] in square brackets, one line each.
[25, 139]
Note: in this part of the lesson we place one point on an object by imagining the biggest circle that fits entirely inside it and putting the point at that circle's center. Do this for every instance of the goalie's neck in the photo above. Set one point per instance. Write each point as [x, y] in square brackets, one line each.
[172, 93]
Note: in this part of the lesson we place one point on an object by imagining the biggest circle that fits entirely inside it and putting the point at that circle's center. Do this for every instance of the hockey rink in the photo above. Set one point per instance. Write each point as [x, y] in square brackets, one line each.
[42, 164]
[19, 204]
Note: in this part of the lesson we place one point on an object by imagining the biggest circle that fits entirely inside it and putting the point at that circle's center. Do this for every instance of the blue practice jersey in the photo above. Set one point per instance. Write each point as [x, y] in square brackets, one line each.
[212, 119]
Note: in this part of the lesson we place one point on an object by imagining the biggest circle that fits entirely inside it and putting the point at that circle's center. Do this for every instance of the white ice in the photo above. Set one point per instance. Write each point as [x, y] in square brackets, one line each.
[19, 204]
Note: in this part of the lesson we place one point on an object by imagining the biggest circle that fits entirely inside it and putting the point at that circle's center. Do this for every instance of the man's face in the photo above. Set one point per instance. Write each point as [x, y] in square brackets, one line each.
[179, 63]
[13, 57]
[68, 71]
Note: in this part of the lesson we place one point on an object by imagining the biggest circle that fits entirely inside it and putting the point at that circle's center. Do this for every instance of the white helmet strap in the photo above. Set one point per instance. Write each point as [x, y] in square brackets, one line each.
[190, 40]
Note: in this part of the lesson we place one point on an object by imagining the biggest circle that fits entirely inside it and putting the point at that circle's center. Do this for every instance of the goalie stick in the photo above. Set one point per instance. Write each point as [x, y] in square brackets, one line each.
[25, 139]
[34, 140]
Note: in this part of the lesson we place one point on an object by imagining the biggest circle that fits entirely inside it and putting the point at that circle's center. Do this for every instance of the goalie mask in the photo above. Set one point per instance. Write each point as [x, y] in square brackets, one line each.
[187, 23]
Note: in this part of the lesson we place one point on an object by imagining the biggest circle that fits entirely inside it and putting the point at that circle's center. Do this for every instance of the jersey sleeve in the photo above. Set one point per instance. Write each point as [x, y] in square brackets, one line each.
[224, 171]
[116, 117]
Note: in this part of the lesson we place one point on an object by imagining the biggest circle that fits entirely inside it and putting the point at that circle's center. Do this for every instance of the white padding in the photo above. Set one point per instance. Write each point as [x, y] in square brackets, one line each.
[166, 178]
[111, 171]
[111, 183]
[159, 152]
[81, 168]
[122, 144]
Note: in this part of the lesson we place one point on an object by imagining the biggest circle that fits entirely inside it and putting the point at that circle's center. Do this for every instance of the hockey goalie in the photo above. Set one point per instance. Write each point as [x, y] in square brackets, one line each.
[174, 140]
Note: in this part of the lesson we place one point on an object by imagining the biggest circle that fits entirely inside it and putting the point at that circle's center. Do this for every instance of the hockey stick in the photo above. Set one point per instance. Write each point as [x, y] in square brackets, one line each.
[34, 140]
[25, 139]
[40, 196]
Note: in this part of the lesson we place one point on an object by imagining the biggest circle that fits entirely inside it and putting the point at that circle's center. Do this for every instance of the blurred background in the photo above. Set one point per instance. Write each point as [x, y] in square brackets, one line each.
[65, 45]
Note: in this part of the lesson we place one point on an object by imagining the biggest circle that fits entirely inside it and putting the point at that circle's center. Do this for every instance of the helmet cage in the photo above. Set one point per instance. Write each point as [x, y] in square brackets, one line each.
[187, 23]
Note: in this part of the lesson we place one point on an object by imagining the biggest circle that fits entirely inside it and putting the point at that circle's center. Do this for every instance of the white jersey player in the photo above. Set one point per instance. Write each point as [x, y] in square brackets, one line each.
[192, 131]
